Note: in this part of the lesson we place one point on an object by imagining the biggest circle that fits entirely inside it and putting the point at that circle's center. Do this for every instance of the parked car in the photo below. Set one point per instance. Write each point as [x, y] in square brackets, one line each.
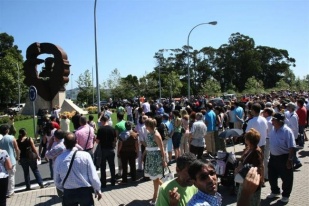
[17, 107]
[217, 102]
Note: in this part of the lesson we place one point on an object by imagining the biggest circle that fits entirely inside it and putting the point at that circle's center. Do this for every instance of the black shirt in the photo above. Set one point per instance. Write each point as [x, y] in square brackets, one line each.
[106, 135]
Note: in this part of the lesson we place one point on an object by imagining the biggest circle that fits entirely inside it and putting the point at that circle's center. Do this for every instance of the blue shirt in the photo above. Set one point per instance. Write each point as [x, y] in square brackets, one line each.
[6, 143]
[82, 174]
[281, 140]
[203, 199]
[239, 111]
[210, 119]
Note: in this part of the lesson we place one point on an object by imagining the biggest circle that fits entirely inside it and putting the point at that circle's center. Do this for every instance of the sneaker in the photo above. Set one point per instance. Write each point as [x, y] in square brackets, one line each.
[284, 199]
[8, 196]
[152, 202]
[297, 166]
[272, 195]
[42, 186]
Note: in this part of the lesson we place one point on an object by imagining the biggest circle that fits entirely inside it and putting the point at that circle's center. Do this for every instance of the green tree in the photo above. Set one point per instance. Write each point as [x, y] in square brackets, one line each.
[85, 86]
[254, 86]
[10, 57]
[211, 88]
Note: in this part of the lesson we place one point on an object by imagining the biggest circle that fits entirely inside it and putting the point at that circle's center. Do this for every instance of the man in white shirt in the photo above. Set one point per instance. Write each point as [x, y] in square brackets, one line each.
[259, 123]
[82, 177]
[267, 113]
[146, 107]
[291, 121]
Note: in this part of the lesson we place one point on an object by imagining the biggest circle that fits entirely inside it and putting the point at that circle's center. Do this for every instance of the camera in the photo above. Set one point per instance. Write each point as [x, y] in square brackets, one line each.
[241, 175]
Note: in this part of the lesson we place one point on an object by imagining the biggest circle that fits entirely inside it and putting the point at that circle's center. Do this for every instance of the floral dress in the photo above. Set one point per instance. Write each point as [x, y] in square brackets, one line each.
[153, 163]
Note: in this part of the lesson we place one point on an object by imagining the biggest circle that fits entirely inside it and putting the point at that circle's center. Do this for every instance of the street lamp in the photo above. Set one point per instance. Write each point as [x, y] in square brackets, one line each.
[160, 84]
[71, 86]
[96, 56]
[211, 23]
[18, 87]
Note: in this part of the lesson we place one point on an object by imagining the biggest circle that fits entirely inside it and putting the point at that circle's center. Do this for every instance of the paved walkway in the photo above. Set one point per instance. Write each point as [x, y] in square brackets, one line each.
[140, 193]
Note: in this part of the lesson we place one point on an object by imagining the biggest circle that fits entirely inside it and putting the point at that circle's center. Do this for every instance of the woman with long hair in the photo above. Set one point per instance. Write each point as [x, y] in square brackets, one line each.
[25, 142]
[252, 155]
[155, 161]
[176, 134]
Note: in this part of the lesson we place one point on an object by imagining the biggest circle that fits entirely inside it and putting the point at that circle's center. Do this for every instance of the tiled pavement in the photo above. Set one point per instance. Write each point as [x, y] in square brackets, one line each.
[140, 193]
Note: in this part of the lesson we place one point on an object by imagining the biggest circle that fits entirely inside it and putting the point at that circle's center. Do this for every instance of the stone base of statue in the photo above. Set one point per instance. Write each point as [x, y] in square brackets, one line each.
[66, 105]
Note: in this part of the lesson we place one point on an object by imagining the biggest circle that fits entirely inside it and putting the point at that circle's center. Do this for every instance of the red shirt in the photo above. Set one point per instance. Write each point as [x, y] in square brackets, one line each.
[302, 116]
[55, 125]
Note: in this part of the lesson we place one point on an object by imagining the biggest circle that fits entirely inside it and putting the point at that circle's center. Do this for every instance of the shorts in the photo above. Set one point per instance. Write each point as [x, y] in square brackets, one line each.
[176, 140]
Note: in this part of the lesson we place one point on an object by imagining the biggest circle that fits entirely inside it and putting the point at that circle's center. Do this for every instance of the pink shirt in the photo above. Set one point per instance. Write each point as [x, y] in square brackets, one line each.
[82, 134]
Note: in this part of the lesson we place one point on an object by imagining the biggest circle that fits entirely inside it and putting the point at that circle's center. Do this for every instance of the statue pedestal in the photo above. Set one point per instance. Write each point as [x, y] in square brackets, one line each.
[40, 103]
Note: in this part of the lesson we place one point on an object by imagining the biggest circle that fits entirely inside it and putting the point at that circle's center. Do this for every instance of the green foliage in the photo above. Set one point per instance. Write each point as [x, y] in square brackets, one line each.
[10, 57]
[254, 86]
[211, 88]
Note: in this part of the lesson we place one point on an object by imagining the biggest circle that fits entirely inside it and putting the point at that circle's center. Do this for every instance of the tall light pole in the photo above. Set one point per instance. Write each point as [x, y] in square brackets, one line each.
[96, 56]
[18, 87]
[92, 89]
[189, 87]
[160, 84]
[71, 86]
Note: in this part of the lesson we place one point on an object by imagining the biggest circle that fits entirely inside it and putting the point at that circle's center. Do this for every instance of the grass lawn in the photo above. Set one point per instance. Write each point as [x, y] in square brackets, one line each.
[28, 124]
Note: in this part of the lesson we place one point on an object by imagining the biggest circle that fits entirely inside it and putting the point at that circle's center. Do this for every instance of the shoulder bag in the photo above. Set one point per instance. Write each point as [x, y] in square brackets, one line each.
[59, 192]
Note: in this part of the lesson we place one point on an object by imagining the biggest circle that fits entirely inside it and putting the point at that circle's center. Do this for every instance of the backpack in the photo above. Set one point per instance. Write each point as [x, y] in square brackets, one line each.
[163, 130]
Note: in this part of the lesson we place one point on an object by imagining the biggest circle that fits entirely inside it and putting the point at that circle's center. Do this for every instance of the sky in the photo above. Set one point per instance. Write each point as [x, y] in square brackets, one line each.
[130, 32]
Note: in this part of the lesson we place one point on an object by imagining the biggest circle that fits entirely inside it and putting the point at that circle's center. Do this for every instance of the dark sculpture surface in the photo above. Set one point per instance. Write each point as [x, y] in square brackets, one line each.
[53, 76]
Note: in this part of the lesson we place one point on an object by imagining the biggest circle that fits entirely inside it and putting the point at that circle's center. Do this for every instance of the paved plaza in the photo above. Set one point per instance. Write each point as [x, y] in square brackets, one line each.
[140, 192]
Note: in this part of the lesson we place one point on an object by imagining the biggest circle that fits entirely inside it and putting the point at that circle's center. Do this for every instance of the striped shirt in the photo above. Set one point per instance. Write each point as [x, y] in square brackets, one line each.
[82, 174]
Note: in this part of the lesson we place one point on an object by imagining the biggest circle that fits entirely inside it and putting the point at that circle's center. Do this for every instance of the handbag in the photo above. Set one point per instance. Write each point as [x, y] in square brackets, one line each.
[30, 155]
[167, 176]
[60, 192]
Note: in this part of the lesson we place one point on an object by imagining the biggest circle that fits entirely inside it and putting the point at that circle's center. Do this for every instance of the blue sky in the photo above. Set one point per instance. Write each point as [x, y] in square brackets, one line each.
[129, 32]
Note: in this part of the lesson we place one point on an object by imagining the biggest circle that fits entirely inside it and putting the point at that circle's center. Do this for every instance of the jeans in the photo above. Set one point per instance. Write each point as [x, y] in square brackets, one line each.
[277, 168]
[79, 196]
[3, 189]
[11, 180]
[266, 158]
[34, 167]
[109, 156]
[128, 157]
[51, 168]
[301, 130]
[198, 151]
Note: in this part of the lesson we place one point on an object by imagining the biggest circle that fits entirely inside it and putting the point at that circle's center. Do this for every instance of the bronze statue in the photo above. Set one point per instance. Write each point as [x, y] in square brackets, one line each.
[53, 76]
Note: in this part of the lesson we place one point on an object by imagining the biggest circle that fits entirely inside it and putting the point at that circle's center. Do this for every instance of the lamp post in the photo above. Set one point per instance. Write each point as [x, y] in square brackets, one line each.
[211, 23]
[160, 84]
[18, 87]
[96, 56]
[71, 86]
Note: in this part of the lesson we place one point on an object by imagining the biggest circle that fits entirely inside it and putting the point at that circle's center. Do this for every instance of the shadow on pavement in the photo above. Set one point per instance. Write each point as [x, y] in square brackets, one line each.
[274, 202]
[31, 182]
[303, 154]
[54, 199]
[138, 202]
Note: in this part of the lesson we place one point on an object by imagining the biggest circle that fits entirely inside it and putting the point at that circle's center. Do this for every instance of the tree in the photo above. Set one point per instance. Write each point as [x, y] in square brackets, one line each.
[254, 86]
[211, 88]
[10, 57]
[85, 87]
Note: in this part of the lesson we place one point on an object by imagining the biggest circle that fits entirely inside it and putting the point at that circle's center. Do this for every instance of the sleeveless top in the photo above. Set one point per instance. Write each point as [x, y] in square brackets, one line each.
[23, 147]
[150, 142]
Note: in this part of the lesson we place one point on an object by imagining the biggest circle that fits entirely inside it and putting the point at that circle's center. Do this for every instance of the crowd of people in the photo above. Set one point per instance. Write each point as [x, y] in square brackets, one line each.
[273, 131]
